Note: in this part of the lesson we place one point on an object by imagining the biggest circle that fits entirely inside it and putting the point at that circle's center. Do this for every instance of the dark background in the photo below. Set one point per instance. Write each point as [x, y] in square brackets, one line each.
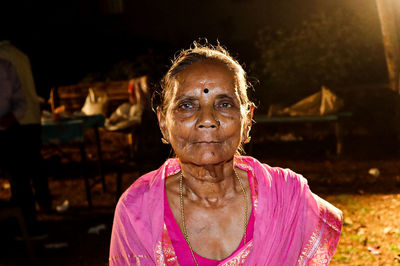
[92, 40]
[67, 40]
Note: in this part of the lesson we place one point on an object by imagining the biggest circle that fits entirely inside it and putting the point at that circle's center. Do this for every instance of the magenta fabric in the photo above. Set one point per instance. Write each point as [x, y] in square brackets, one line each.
[292, 226]
[180, 246]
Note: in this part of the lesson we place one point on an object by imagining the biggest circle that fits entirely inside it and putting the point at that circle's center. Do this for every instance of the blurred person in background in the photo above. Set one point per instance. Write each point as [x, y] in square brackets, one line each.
[12, 152]
[29, 122]
[26, 142]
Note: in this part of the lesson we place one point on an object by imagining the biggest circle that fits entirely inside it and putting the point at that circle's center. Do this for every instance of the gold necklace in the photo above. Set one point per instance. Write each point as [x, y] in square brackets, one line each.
[185, 233]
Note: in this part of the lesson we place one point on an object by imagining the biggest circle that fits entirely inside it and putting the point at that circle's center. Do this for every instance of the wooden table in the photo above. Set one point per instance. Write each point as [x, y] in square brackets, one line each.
[73, 130]
[336, 119]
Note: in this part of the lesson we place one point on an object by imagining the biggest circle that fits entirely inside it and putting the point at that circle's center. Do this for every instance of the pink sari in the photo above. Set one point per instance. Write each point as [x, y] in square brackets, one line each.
[292, 225]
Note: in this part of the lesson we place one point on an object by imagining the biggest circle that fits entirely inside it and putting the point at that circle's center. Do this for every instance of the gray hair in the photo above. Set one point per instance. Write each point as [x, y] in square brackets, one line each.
[201, 53]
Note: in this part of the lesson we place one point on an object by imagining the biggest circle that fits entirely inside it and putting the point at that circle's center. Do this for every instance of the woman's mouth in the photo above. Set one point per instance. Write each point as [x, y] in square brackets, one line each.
[207, 142]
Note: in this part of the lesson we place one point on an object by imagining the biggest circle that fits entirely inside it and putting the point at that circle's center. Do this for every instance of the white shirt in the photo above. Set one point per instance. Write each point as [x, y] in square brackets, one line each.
[12, 96]
[23, 67]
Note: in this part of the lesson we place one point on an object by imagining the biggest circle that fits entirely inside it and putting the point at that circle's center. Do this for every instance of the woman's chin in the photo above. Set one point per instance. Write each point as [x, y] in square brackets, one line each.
[207, 159]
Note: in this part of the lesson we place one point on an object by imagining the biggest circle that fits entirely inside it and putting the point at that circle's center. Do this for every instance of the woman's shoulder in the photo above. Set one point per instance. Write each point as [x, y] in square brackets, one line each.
[136, 212]
[270, 174]
[149, 183]
[287, 176]
[287, 182]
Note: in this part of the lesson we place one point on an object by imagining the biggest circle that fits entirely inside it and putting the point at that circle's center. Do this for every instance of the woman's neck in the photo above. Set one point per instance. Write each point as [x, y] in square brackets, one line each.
[209, 184]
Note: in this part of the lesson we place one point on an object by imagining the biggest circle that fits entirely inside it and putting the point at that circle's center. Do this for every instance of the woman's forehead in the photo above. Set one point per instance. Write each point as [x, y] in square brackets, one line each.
[211, 69]
[215, 77]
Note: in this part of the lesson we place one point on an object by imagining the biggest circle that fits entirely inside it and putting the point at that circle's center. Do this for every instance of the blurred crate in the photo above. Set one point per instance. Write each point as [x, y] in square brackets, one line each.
[73, 96]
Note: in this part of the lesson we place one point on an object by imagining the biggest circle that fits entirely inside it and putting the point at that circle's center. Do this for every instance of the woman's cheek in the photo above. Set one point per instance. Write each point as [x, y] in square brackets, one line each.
[232, 124]
[180, 130]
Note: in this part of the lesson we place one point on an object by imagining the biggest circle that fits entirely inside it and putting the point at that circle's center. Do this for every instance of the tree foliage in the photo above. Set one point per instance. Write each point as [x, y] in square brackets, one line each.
[332, 50]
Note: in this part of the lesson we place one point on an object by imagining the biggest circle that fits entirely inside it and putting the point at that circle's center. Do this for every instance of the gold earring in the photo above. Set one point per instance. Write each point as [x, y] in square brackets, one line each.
[164, 141]
[247, 140]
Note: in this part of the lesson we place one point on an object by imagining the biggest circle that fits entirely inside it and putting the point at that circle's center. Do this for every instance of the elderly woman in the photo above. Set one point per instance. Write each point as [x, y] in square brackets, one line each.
[208, 205]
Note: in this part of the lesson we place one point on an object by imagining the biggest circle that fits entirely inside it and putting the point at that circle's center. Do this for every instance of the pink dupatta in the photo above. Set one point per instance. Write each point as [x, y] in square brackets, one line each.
[292, 226]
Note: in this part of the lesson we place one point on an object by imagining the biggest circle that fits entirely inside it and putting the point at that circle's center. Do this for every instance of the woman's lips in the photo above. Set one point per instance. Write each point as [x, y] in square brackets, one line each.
[207, 142]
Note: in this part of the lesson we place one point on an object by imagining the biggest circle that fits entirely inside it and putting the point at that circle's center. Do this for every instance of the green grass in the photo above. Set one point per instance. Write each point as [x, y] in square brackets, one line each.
[357, 238]
[342, 258]
[364, 211]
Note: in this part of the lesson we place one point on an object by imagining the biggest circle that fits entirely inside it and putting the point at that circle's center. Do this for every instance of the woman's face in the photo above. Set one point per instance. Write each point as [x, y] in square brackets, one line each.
[203, 121]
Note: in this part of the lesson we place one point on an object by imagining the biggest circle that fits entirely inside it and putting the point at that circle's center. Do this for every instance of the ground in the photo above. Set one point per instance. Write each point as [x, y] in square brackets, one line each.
[371, 232]
[370, 204]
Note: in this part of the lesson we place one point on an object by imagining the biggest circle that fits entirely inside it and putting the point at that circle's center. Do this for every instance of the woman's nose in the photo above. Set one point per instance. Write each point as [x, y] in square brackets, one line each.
[207, 119]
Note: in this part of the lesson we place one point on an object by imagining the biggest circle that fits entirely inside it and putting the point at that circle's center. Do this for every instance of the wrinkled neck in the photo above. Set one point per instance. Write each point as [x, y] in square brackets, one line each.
[208, 184]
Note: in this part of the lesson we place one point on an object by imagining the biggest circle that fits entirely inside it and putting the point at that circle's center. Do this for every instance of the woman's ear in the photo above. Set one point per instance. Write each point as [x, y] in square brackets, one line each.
[248, 123]
[162, 123]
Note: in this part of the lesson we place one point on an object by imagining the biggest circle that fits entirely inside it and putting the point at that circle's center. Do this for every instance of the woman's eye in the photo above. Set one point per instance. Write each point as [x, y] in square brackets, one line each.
[226, 105]
[185, 106]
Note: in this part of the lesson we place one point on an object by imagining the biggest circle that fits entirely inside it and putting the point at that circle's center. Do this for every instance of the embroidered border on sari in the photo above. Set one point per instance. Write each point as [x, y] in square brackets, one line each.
[240, 258]
[169, 257]
[158, 252]
[322, 244]
[137, 257]
[165, 253]
[254, 182]
[168, 251]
